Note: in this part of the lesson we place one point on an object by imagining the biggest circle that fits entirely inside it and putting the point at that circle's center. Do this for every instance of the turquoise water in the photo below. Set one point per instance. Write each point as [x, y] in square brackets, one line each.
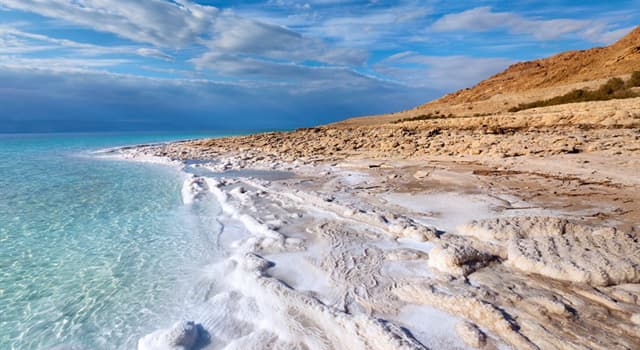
[94, 253]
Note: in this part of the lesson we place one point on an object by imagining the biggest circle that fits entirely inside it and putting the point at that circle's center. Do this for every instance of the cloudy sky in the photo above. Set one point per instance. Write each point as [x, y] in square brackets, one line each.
[83, 65]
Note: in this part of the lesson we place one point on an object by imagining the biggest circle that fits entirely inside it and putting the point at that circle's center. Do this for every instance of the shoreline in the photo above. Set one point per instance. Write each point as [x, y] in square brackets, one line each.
[264, 258]
[457, 233]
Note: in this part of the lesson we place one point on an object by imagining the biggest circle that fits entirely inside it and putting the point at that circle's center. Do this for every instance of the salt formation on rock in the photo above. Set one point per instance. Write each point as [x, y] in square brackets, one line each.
[308, 323]
[560, 249]
[264, 311]
[457, 259]
[505, 228]
[461, 255]
[193, 189]
[396, 225]
[326, 262]
[182, 336]
[595, 259]
[471, 334]
[264, 238]
[470, 308]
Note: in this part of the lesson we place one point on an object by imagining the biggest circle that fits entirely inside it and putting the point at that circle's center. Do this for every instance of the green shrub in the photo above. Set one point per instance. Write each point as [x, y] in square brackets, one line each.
[611, 86]
[411, 119]
[614, 88]
[424, 117]
[634, 81]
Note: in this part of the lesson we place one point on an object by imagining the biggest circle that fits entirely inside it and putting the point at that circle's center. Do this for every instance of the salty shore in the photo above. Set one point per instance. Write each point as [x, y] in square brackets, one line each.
[504, 231]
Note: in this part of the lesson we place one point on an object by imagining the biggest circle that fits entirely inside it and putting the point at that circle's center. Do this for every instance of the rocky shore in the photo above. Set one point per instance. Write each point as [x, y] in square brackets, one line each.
[522, 226]
[604, 127]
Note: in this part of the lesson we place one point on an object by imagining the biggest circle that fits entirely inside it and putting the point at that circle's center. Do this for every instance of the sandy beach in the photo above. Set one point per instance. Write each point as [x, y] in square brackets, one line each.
[492, 232]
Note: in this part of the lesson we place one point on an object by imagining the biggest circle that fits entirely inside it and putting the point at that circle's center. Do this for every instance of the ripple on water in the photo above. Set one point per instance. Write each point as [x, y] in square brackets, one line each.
[94, 253]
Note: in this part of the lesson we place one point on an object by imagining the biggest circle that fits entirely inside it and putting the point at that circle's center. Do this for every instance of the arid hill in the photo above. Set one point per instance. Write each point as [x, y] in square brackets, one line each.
[530, 81]
[623, 57]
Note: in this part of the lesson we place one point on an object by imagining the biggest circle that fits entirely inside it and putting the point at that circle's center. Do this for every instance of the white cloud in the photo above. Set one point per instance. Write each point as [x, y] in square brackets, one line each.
[483, 18]
[18, 41]
[58, 64]
[150, 52]
[249, 49]
[240, 36]
[158, 22]
[368, 27]
[183, 24]
[445, 72]
[14, 41]
[349, 24]
[298, 77]
[599, 34]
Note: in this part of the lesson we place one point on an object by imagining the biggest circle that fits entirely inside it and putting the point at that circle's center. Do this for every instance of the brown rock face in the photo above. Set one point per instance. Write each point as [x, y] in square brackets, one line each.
[622, 57]
[526, 82]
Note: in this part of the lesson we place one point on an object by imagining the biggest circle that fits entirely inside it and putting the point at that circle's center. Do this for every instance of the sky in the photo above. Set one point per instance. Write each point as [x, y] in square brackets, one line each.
[136, 65]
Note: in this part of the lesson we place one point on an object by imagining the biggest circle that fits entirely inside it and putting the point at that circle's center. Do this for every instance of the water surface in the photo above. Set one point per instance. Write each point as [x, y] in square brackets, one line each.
[94, 253]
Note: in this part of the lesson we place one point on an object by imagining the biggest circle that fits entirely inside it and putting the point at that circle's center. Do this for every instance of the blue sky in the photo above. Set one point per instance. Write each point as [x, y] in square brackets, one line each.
[98, 65]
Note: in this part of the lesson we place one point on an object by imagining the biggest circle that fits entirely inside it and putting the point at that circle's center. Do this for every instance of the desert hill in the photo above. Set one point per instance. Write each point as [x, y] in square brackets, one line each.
[531, 81]
[622, 57]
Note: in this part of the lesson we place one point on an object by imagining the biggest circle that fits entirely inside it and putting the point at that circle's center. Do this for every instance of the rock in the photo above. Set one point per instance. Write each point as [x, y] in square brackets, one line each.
[421, 174]
[507, 228]
[458, 259]
[580, 256]
[628, 293]
[181, 336]
[558, 248]
[550, 305]
[404, 254]
[471, 334]
[414, 231]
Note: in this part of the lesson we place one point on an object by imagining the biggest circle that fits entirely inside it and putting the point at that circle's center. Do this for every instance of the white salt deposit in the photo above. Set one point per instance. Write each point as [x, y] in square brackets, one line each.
[274, 287]
[298, 272]
[181, 336]
[445, 210]
[433, 328]
[413, 244]
[271, 289]
[136, 155]
[193, 189]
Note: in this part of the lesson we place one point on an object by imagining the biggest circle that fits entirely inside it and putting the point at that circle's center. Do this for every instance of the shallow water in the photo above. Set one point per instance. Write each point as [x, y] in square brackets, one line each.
[94, 253]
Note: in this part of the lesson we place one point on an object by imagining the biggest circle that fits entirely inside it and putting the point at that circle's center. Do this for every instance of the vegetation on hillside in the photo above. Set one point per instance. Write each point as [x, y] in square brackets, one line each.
[634, 81]
[614, 88]
[435, 115]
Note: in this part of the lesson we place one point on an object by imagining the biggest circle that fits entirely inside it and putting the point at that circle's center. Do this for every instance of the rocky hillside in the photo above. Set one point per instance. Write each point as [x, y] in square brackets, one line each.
[622, 57]
[529, 81]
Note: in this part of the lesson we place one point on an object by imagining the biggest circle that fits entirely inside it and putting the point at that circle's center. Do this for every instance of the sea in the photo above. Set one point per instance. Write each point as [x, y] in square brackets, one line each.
[95, 252]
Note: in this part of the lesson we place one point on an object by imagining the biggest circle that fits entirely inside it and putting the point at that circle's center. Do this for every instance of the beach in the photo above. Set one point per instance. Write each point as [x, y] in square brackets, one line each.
[488, 232]
[319, 175]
